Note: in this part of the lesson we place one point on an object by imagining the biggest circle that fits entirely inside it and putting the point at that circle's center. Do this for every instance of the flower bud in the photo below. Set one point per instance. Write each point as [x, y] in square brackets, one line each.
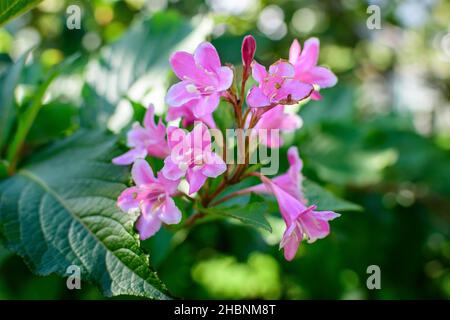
[248, 51]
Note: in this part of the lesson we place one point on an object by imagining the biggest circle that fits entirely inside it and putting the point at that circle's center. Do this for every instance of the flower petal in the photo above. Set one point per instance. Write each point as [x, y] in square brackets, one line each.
[295, 89]
[137, 136]
[169, 213]
[171, 170]
[214, 165]
[225, 75]
[181, 93]
[282, 68]
[292, 179]
[149, 118]
[128, 199]
[314, 227]
[259, 72]
[175, 136]
[142, 172]
[207, 57]
[170, 186]
[256, 98]
[294, 51]
[291, 240]
[310, 54]
[289, 206]
[196, 179]
[321, 76]
[183, 64]
[129, 156]
[206, 105]
[148, 223]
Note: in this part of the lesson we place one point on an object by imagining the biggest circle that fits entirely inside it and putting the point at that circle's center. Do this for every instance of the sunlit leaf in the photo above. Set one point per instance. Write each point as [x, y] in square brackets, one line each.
[12, 8]
[137, 64]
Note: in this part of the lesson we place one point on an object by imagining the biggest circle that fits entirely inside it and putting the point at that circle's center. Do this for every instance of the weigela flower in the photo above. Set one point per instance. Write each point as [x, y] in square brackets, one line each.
[152, 197]
[274, 121]
[278, 86]
[186, 112]
[203, 80]
[143, 141]
[306, 69]
[192, 156]
[301, 221]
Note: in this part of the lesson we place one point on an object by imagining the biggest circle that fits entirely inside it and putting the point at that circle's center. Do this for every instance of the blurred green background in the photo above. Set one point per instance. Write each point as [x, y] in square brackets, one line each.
[380, 138]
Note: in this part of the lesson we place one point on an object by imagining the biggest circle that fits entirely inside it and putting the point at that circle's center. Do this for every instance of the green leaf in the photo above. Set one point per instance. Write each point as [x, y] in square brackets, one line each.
[60, 210]
[325, 200]
[12, 8]
[3, 168]
[8, 82]
[137, 64]
[53, 121]
[224, 116]
[251, 214]
[28, 115]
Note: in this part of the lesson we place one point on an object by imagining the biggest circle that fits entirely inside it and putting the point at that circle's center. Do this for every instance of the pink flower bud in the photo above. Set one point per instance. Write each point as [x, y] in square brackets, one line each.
[248, 51]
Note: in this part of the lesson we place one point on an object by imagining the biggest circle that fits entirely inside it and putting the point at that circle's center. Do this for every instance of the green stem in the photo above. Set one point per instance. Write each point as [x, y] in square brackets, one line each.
[25, 123]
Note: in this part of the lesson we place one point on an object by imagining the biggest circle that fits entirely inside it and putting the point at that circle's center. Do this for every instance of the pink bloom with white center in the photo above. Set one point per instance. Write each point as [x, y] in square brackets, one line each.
[278, 86]
[203, 80]
[186, 112]
[192, 156]
[153, 197]
[274, 121]
[147, 140]
[301, 221]
[306, 69]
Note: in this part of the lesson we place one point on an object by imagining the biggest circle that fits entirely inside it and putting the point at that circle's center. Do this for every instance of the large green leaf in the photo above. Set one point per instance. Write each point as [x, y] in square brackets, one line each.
[8, 81]
[325, 200]
[60, 210]
[138, 63]
[251, 214]
[12, 8]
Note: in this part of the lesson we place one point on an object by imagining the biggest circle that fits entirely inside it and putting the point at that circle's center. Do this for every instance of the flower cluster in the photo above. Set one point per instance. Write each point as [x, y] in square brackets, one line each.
[189, 155]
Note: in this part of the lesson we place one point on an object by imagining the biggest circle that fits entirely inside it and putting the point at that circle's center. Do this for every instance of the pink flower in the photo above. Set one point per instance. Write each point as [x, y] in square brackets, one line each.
[273, 121]
[277, 86]
[203, 79]
[306, 69]
[186, 112]
[191, 155]
[153, 197]
[290, 182]
[301, 221]
[143, 141]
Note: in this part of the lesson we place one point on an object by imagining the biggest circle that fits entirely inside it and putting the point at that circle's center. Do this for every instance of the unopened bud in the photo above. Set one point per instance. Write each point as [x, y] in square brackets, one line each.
[248, 51]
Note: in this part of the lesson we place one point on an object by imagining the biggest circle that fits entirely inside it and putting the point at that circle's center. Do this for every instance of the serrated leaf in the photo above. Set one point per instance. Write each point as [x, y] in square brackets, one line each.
[325, 200]
[60, 210]
[12, 8]
[138, 63]
[251, 214]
